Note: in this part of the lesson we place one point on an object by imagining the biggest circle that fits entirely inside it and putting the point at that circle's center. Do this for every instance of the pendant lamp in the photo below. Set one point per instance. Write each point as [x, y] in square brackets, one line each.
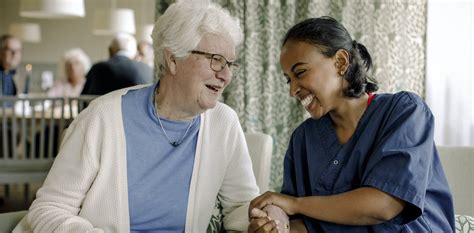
[52, 8]
[113, 21]
[26, 32]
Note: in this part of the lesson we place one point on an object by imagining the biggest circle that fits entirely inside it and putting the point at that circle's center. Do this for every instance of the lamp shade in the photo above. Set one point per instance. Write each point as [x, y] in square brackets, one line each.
[111, 22]
[52, 8]
[26, 32]
[144, 33]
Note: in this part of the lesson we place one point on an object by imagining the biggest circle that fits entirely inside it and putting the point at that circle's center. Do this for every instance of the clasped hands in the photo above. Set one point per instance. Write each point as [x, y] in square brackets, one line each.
[269, 213]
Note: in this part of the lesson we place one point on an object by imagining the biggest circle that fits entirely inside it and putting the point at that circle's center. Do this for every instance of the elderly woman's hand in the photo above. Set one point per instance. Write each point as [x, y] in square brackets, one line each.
[261, 223]
[281, 218]
[285, 202]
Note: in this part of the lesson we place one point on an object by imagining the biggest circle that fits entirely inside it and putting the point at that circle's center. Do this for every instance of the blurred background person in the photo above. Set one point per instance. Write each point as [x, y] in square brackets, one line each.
[72, 70]
[120, 70]
[145, 53]
[12, 81]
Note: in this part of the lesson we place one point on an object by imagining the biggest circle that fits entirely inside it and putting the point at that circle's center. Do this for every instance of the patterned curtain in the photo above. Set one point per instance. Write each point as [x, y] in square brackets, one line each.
[392, 30]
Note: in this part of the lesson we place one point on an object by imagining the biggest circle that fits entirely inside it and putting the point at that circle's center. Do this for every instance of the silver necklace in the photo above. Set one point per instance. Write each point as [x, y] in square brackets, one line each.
[176, 143]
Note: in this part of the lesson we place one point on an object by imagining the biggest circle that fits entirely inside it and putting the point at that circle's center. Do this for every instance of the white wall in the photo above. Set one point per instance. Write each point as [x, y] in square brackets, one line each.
[59, 35]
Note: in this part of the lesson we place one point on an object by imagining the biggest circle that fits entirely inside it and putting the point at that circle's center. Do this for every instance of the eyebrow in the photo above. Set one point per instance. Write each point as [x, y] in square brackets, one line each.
[297, 64]
[293, 67]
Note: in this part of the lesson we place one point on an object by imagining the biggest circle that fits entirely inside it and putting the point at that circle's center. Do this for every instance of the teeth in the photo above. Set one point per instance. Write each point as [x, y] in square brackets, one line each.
[306, 101]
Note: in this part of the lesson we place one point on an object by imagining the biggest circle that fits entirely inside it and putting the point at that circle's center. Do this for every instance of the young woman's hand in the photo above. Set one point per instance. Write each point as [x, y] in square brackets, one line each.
[285, 202]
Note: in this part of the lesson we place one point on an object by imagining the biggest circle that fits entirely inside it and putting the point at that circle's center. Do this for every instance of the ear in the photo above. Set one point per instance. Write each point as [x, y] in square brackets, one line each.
[170, 60]
[342, 61]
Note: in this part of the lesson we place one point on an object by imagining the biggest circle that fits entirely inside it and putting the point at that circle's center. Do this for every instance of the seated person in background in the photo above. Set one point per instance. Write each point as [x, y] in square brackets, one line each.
[155, 158]
[145, 53]
[363, 162]
[12, 80]
[72, 69]
[120, 70]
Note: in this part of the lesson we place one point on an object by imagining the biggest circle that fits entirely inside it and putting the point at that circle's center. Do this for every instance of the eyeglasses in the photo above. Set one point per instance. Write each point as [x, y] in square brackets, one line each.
[218, 62]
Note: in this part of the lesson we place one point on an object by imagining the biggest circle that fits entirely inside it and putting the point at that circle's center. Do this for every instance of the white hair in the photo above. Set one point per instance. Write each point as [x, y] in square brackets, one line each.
[125, 44]
[184, 23]
[75, 53]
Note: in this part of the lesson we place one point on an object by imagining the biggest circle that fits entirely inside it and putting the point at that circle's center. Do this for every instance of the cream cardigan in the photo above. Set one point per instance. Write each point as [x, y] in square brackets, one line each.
[86, 189]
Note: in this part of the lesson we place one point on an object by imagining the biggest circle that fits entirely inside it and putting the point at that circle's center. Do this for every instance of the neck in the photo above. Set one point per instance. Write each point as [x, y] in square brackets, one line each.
[347, 115]
[7, 69]
[171, 104]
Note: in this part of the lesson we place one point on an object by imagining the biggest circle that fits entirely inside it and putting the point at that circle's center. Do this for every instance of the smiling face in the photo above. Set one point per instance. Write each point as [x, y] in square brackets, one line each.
[202, 86]
[313, 77]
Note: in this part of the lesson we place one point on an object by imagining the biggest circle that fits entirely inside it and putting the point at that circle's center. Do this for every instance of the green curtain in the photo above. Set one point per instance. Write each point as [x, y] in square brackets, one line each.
[393, 31]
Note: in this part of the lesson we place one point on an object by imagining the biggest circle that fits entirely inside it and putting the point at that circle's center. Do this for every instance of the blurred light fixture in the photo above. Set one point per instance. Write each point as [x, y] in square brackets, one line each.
[52, 8]
[113, 21]
[144, 33]
[26, 32]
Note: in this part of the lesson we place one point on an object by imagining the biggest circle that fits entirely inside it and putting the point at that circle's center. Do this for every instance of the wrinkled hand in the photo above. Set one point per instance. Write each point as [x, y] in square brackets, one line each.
[285, 202]
[261, 223]
[276, 213]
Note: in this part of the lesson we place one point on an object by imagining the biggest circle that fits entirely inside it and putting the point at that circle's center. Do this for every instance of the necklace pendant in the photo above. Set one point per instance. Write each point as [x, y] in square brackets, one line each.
[175, 144]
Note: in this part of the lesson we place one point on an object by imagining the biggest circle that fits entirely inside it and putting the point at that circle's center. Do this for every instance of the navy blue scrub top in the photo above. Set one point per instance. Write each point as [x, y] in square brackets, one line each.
[392, 149]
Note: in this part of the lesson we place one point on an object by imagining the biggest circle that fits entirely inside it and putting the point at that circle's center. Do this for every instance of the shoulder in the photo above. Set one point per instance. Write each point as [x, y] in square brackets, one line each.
[400, 98]
[402, 110]
[395, 105]
[141, 65]
[99, 66]
[222, 111]
[105, 108]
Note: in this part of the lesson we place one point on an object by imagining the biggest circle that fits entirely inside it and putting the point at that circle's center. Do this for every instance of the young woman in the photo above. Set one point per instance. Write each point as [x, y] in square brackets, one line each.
[363, 162]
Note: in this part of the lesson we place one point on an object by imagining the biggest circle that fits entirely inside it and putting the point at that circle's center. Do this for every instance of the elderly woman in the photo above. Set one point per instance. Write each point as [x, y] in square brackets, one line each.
[72, 71]
[363, 162]
[155, 158]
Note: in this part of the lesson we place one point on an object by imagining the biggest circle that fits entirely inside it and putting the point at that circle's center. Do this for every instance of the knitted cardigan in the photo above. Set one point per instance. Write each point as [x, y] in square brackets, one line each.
[86, 188]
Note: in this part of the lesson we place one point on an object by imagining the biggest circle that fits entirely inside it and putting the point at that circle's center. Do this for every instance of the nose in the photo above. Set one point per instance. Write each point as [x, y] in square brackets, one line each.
[294, 89]
[225, 74]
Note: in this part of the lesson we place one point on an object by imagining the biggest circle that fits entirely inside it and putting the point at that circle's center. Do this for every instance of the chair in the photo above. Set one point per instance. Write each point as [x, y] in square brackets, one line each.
[9, 220]
[28, 141]
[458, 163]
[260, 148]
[31, 130]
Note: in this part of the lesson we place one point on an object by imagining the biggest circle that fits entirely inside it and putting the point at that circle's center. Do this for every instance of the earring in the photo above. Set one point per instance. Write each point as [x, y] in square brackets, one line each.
[342, 73]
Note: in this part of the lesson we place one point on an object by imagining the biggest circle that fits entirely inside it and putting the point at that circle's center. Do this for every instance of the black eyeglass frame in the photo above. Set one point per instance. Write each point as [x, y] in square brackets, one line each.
[212, 56]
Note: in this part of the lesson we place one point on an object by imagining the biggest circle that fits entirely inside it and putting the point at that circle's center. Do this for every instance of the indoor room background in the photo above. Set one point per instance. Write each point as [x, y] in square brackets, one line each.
[417, 45]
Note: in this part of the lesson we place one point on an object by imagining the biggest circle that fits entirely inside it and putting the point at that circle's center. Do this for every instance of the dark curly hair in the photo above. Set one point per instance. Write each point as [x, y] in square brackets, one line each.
[327, 33]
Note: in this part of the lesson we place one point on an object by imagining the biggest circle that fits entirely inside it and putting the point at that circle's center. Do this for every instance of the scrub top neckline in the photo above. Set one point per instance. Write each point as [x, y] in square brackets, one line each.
[362, 119]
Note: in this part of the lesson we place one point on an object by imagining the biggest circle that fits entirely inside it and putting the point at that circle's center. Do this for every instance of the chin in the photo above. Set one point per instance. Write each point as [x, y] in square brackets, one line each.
[315, 115]
[208, 105]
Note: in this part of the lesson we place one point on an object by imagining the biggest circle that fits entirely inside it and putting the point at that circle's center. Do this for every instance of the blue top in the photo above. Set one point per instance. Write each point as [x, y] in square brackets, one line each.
[158, 173]
[392, 149]
[7, 84]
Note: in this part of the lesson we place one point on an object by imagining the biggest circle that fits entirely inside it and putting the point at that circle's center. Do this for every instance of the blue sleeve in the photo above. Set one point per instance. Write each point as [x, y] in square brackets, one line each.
[289, 180]
[289, 175]
[402, 156]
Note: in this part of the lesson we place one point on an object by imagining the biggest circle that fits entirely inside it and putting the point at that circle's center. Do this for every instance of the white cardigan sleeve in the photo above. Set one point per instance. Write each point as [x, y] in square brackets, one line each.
[239, 186]
[59, 200]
